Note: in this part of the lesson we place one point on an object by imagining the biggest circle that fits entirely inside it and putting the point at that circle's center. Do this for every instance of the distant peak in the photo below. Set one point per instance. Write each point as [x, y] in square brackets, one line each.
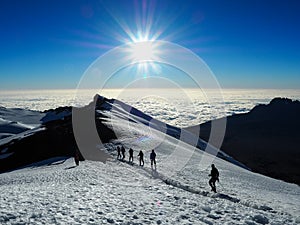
[98, 97]
[280, 101]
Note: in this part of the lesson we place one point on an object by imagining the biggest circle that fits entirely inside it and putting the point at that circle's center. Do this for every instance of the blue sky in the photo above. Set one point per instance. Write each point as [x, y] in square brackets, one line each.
[247, 44]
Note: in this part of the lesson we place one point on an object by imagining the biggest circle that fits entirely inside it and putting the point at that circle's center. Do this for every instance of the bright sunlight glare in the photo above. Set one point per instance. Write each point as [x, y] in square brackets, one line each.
[142, 51]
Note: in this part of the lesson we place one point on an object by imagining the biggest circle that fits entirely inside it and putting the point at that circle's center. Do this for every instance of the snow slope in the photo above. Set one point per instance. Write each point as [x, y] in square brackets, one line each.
[118, 193]
[56, 192]
[124, 119]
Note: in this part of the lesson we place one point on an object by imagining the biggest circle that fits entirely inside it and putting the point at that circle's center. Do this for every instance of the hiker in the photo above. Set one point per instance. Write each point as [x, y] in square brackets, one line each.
[130, 155]
[153, 159]
[214, 174]
[76, 157]
[123, 152]
[141, 157]
[119, 152]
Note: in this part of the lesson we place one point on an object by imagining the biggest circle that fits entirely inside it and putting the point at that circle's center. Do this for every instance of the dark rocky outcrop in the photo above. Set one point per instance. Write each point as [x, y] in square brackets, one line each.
[267, 139]
[55, 140]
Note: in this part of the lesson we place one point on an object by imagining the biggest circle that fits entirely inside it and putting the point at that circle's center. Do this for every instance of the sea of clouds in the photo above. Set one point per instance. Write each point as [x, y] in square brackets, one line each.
[181, 108]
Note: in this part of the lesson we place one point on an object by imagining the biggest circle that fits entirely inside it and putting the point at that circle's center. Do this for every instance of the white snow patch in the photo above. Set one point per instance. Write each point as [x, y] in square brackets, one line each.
[53, 115]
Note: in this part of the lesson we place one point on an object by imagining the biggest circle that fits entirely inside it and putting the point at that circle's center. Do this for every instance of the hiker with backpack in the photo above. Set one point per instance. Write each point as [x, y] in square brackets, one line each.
[141, 158]
[123, 153]
[119, 152]
[153, 159]
[130, 155]
[214, 174]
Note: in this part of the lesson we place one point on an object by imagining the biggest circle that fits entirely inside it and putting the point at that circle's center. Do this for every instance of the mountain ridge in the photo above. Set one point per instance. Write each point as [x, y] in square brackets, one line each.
[56, 138]
[266, 139]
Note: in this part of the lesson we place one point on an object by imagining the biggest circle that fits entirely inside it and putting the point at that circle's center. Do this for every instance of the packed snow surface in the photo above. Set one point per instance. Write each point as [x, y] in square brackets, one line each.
[119, 193]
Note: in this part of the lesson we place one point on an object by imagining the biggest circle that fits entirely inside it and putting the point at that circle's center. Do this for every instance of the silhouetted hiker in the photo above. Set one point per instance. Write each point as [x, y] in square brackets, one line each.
[123, 152]
[131, 155]
[153, 159]
[214, 174]
[76, 157]
[141, 158]
[119, 152]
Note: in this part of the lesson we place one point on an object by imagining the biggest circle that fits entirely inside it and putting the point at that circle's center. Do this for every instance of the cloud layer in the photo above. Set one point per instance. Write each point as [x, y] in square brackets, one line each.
[181, 108]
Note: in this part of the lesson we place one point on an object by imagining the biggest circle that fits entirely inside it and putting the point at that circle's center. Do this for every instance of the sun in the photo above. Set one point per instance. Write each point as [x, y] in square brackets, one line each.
[142, 51]
[144, 54]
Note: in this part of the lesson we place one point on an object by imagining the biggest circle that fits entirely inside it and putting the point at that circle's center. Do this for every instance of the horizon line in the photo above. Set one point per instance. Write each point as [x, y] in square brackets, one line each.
[141, 88]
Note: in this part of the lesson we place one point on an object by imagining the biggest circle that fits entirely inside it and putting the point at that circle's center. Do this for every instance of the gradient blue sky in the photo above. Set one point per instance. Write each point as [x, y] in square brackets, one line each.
[247, 44]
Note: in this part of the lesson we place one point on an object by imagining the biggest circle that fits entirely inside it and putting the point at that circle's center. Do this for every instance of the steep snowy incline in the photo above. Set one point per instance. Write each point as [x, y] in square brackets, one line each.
[182, 166]
[57, 130]
[118, 193]
[124, 119]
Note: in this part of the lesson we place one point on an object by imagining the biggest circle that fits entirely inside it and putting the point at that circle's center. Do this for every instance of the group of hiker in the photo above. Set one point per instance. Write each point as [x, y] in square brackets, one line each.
[121, 155]
[214, 173]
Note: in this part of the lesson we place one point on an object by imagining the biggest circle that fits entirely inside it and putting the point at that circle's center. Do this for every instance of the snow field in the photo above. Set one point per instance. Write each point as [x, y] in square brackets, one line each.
[111, 193]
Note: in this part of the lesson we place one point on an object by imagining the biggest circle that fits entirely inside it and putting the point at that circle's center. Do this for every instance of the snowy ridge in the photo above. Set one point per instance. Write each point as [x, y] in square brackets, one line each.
[22, 123]
[37, 141]
[15, 121]
[12, 127]
[24, 116]
[116, 110]
[56, 114]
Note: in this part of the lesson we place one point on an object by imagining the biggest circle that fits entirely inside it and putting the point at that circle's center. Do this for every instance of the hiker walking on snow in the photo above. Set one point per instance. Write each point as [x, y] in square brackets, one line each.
[153, 159]
[131, 155]
[214, 174]
[141, 158]
[119, 152]
[123, 152]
